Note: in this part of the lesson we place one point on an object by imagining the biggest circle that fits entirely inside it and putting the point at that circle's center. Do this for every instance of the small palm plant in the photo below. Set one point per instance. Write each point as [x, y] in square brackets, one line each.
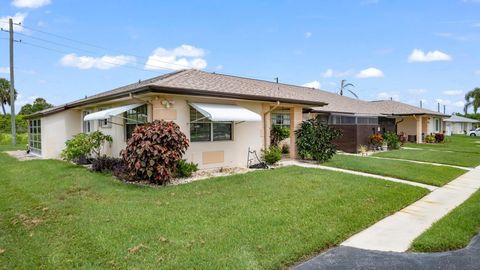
[343, 87]
[363, 150]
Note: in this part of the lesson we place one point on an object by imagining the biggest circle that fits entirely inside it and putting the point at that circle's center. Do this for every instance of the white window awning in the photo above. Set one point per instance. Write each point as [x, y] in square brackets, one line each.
[106, 114]
[226, 113]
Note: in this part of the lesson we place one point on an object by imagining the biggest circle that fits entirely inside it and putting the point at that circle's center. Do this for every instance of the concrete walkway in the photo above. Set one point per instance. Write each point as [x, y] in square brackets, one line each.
[318, 166]
[396, 232]
[424, 162]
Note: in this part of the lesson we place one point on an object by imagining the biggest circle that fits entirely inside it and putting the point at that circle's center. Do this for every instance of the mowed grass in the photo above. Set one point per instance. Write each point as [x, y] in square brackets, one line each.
[450, 158]
[57, 215]
[455, 143]
[421, 173]
[454, 231]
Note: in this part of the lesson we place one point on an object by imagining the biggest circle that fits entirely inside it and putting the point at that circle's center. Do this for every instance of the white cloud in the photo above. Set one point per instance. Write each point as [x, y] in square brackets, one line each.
[88, 62]
[184, 56]
[453, 92]
[5, 70]
[308, 34]
[418, 55]
[477, 72]
[459, 104]
[18, 18]
[370, 73]
[330, 73]
[418, 91]
[313, 84]
[21, 100]
[443, 101]
[30, 3]
[387, 95]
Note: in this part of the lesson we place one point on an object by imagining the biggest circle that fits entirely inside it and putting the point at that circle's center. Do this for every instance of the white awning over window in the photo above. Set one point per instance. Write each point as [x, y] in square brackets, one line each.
[106, 114]
[226, 113]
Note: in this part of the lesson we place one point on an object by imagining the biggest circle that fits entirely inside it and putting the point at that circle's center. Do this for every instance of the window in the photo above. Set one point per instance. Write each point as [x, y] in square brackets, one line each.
[135, 117]
[340, 119]
[104, 123]
[35, 135]
[367, 120]
[203, 129]
[281, 118]
[437, 124]
[87, 125]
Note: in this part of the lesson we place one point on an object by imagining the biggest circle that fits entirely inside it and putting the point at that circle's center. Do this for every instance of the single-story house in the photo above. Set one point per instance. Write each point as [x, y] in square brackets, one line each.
[223, 116]
[411, 121]
[359, 119]
[459, 125]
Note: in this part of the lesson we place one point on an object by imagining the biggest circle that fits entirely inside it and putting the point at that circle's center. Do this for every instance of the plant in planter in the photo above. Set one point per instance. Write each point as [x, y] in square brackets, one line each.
[392, 140]
[153, 151]
[315, 140]
[376, 141]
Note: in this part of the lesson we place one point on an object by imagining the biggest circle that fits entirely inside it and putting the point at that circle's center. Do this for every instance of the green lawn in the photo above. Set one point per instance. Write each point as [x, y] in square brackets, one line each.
[453, 231]
[10, 147]
[57, 215]
[451, 158]
[455, 143]
[421, 173]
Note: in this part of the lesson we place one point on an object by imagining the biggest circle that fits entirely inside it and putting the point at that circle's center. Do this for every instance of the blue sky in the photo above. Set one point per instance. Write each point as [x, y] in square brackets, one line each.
[408, 50]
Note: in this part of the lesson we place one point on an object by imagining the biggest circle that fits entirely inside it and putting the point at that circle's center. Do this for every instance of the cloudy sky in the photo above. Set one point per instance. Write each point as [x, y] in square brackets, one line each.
[405, 50]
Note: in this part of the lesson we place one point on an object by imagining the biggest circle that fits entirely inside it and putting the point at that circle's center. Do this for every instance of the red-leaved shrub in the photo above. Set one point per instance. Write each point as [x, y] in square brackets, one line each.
[439, 137]
[153, 151]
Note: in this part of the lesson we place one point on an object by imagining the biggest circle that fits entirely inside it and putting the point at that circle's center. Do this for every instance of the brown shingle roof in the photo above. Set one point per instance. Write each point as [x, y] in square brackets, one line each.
[391, 107]
[195, 82]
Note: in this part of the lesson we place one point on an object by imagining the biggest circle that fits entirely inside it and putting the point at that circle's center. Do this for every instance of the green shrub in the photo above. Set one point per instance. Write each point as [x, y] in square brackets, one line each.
[285, 149]
[153, 151]
[392, 139]
[315, 140]
[6, 138]
[6, 124]
[278, 134]
[376, 140]
[85, 146]
[430, 138]
[272, 155]
[185, 168]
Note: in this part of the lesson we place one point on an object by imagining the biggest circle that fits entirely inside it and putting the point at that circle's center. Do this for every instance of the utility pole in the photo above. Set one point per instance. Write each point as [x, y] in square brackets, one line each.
[12, 86]
[444, 108]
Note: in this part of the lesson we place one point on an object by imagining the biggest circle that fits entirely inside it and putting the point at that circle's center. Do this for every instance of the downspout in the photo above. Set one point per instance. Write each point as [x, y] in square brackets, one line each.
[265, 124]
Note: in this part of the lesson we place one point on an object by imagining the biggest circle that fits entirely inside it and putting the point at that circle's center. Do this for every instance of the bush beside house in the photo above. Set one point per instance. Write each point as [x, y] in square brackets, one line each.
[153, 151]
[315, 140]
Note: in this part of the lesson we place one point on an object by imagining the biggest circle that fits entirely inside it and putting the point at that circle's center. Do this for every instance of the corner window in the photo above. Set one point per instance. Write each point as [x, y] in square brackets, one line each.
[203, 129]
[35, 135]
[87, 125]
[135, 117]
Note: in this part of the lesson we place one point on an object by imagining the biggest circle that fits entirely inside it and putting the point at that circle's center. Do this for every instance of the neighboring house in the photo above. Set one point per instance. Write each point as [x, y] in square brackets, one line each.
[359, 119]
[411, 121]
[223, 116]
[459, 125]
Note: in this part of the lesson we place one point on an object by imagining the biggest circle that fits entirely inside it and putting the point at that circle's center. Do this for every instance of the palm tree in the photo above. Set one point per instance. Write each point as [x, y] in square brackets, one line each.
[5, 93]
[473, 100]
[343, 87]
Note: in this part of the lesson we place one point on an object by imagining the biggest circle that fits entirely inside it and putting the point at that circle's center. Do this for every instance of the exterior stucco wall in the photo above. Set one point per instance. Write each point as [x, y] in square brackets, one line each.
[245, 134]
[457, 127]
[56, 129]
[408, 126]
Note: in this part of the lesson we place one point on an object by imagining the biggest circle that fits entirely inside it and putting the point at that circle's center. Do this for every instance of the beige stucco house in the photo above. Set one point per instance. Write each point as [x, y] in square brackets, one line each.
[459, 125]
[223, 116]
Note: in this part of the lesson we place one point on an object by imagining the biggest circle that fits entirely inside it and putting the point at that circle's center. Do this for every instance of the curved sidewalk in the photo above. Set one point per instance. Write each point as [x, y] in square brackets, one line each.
[396, 232]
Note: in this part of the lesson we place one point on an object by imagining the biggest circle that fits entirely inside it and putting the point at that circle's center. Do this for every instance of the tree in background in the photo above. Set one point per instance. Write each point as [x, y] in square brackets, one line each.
[38, 105]
[343, 88]
[5, 93]
[473, 100]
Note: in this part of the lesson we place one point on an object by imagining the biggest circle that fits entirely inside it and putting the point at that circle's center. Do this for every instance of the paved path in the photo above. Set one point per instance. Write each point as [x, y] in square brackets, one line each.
[341, 258]
[317, 166]
[396, 232]
[424, 162]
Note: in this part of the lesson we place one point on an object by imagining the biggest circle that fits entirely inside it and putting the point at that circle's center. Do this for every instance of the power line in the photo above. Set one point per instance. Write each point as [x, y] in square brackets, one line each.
[101, 47]
[63, 52]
